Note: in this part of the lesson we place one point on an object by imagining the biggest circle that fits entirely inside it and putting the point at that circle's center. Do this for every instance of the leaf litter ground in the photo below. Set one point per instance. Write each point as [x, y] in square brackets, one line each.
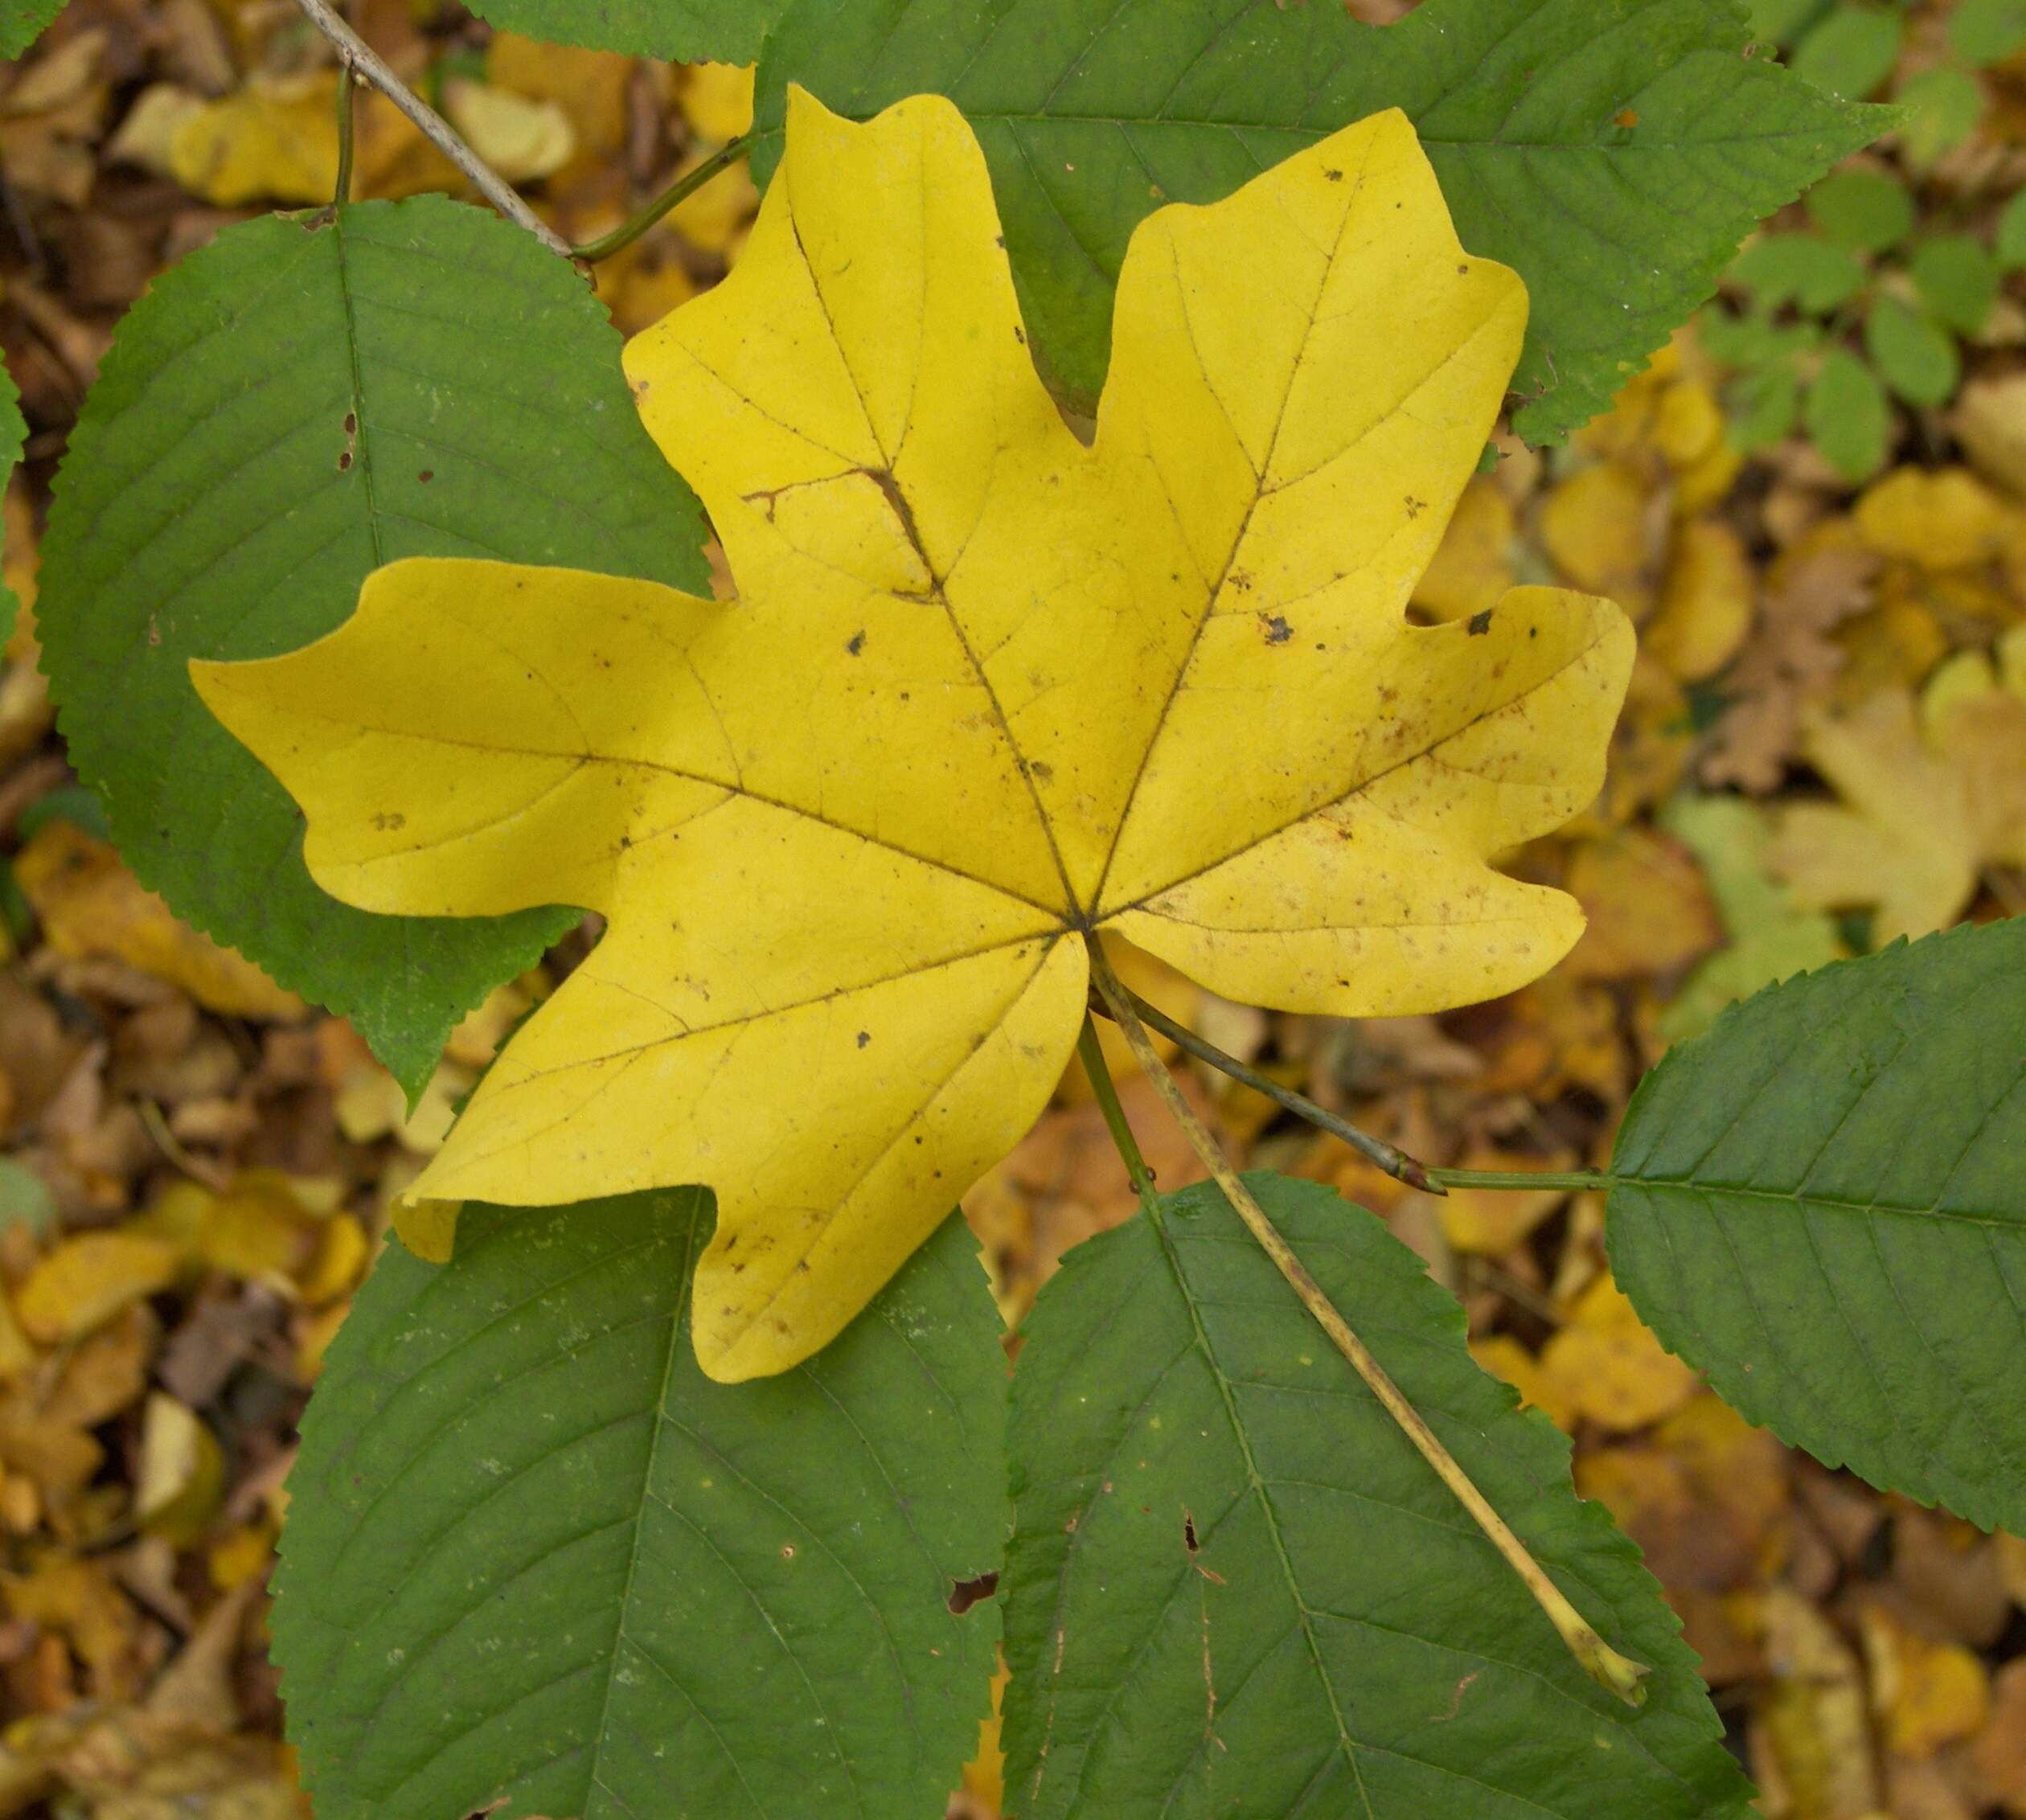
[195, 1168]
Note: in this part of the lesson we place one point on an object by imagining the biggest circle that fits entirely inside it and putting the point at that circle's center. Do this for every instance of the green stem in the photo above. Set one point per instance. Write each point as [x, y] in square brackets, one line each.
[1091, 1052]
[1394, 1162]
[1525, 1181]
[673, 197]
[348, 87]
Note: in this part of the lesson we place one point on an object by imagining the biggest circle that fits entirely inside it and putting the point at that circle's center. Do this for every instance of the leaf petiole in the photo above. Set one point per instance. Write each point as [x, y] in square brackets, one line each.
[1522, 1180]
[1617, 1674]
[1396, 1162]
[673, 197]
[347, 87]
[1091, 1053]
[356, 55]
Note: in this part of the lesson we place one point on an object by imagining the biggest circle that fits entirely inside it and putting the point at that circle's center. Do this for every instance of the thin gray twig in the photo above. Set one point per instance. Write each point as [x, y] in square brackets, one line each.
[368, 67]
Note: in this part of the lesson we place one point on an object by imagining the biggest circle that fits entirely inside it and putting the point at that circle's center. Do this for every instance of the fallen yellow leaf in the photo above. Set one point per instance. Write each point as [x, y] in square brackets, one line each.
[717, 100]
[1943, 519]
[1596, 526]
[589, 86]
[272, 140]
[90, 903]
[1706, 602]
[1473, 568]
[987, 690]
[182, 1473]
[1649, 906]
[522, 138]
[1812, 1751]
[1504, 1357]
[87, 1281]
[1927, 1694]
[1606, 1363]
[1932, 793]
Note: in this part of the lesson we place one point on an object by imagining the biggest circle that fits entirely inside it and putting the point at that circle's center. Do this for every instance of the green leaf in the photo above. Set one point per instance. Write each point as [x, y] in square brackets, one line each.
[1615, 152]
[1864, 210]
[1958, 278]
[1820, 1203]
[1799, 269]
[1914, 356]
[2011, 243]
[1943, 107]
[73, 804]
[288, 408]
[686, 31]
[535, 1557]
[22, 21]
[1986, 31]
[25, 1200]
[14, 435]
[1847, 416]
[1764, 407]
[1778, 22]
[1853, 52]
[1755, 340]
[1236, 1588]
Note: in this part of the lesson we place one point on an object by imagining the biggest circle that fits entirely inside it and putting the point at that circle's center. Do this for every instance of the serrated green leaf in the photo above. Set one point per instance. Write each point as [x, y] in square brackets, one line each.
[1985, 31]
[1615, 152]
[2011, 242]
[1820, 1203]
[1943, 107]
[1799, 269]
[686, 31]
[1235, 1588]
[14, 435]
[1848, 416]
[1914, 356]
[1958, 278]
[1853, 52]
[1865, 211]
[289, 407]
[535, 1557]
[22, 21]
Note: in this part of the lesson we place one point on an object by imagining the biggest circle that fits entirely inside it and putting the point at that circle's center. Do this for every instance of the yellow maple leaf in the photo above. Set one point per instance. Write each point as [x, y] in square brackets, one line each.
[986, 690]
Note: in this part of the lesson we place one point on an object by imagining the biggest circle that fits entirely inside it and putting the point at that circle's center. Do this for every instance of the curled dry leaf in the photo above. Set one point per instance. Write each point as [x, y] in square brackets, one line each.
[987, 690]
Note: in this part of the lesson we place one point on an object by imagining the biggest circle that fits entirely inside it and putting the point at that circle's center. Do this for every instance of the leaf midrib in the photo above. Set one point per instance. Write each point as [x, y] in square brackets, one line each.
[659, 1426]
[1795, 1197]
[1258, 1483]
[364, 460]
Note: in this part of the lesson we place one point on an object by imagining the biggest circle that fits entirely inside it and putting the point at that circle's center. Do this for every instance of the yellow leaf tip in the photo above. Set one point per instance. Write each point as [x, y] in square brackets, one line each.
[428, 1227]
